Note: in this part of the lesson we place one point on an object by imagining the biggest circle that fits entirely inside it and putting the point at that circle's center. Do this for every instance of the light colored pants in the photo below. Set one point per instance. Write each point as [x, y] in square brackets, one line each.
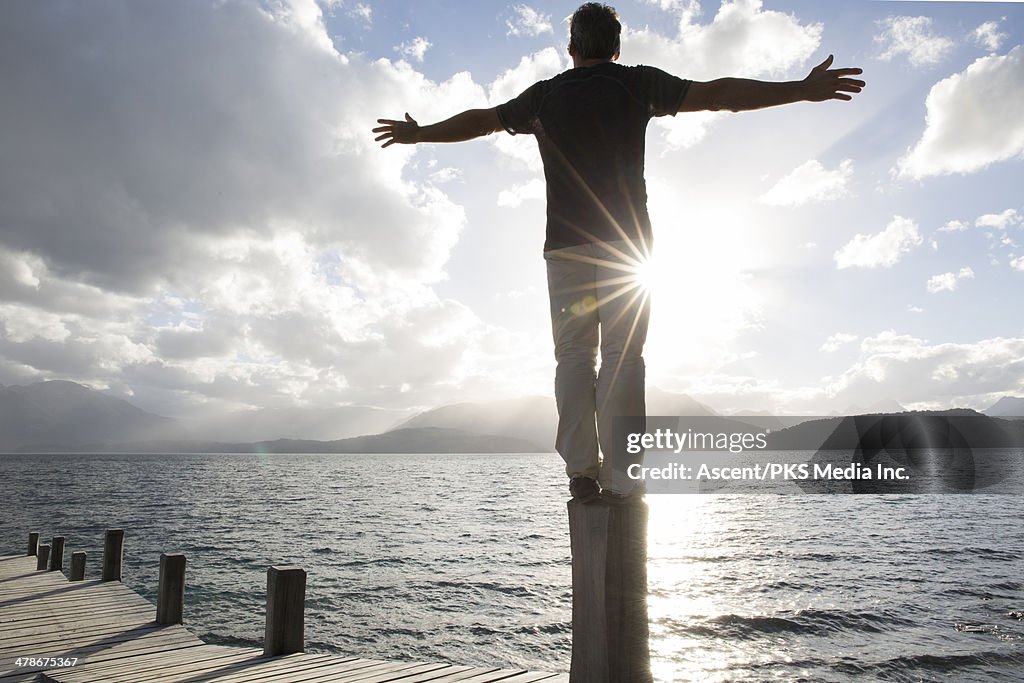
[597, 303]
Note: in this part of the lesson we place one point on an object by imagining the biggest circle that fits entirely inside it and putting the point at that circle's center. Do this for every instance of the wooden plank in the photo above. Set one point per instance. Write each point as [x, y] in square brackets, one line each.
[256, 663]
[56, 628]
[300, 666]
[467, 673]
[73, 632]
[299, 663]
[400, 671]
[122, 651]
[155, 638]
[202, 656]
[159, 666]
[450, 673]
[116, 612]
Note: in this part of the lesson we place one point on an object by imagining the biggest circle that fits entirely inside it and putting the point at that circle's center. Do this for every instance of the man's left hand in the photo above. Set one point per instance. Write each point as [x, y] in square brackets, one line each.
[825, 84]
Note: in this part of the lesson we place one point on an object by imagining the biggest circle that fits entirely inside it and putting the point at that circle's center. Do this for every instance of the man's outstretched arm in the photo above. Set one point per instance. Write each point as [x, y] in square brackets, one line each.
[743, 94]
[467, 125]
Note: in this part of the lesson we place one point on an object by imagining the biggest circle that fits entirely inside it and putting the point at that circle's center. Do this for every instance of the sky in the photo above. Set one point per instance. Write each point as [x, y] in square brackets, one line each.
[194, 215]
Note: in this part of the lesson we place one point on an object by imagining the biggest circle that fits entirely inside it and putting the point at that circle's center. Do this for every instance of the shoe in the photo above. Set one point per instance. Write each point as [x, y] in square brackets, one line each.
[584, 490]
[615, 498]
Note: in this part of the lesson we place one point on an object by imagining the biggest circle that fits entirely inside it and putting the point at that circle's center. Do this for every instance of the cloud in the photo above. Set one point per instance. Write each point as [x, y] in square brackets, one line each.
[913, 37]
[528, 22]
[511, 198]
[962, 137]
[837, 341]
[810, 182]
[920, 374]
[414, 49]
[989, 36]
[1000, 221]
[195, 212]
[881, 250]
[955, 226]
[743, 39]
[948, 282]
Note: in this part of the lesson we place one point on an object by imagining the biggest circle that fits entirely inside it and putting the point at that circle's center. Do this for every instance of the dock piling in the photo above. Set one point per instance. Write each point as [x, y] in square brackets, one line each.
[33, 543]
[57, 554]
[113, 554]
[609, 593]
[170, 603]
[42, 556]
[77, 566]
[286, 603]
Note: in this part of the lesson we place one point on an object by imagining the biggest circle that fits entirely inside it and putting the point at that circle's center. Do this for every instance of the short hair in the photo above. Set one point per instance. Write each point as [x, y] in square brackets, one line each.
[594, 31]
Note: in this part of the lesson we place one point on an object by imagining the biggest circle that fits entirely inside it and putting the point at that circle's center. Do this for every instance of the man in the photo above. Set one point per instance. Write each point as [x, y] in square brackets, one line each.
[590, 123]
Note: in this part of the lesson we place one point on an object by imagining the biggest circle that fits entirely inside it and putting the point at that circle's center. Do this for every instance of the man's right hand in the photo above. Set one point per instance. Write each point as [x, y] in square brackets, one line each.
[403, 132]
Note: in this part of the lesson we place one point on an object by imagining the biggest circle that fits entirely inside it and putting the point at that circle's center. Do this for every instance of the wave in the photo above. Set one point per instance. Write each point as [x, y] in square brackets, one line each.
[806, 622]
[914, 665]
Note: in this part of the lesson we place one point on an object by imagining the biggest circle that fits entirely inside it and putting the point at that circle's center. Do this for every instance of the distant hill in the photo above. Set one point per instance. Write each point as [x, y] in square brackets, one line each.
[1007, 406]
[71, 415]
[535, 418]
[885, 405]
[667, 403]
[952, 450]
[309, 423]
[412, 440]
[65, 416]
[408, 440]
[532, 419]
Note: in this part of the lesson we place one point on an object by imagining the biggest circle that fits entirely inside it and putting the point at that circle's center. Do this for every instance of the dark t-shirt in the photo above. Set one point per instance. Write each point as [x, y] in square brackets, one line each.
[590, 124]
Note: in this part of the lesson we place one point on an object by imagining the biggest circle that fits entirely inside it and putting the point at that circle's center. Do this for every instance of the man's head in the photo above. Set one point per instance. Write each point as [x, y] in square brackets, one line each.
[594, 32]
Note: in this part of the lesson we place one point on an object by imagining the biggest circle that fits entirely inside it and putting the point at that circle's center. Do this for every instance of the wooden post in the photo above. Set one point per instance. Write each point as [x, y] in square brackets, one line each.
[42, 556]
[77, 566]
[609, 593]
[113, 554]
[170, 600]
[57, 554]
[33, 542]
[286, 602]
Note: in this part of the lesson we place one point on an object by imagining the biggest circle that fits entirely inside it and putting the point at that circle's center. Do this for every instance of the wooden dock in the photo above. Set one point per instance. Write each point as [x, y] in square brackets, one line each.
[111, 635]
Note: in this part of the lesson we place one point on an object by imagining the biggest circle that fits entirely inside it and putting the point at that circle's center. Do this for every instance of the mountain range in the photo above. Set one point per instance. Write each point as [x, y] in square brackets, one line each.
[65, 416]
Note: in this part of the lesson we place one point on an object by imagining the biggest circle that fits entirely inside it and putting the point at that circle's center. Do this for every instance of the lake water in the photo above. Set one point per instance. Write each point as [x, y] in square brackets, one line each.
[465, 558]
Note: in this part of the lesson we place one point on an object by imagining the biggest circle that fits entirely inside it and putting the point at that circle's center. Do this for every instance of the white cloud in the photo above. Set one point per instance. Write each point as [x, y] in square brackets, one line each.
[197, 214]
[810, 182]
[916, 372]
[989, 36]
[913, 37]
[1000, 221]
[1017, 263]
[955, 226]
[962, 137]
[837, 341]
[511, 198]
[415, 48]
[881, 250]
[528, 22]
[446, 174]
[743, 39]
[363, 11]
[914, 309]
[948, 282]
